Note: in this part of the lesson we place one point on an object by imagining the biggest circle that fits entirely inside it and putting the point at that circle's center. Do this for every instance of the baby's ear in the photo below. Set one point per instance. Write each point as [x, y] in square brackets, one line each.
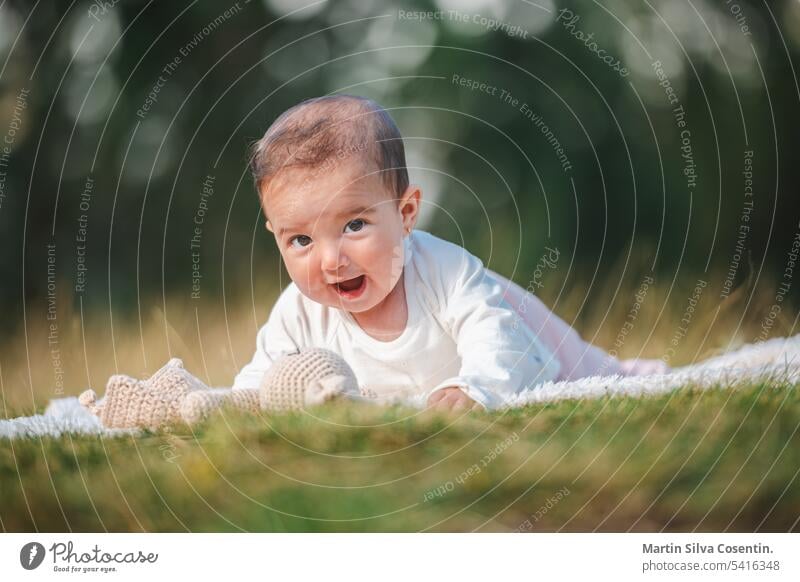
[269, 227]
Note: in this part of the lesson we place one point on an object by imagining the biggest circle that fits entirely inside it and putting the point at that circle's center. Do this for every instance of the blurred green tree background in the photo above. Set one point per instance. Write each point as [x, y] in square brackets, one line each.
[616, 132]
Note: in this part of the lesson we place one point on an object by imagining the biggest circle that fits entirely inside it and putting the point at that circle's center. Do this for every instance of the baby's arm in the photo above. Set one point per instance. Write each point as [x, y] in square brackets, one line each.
[282, 333]
[498, 357]
[452, 398]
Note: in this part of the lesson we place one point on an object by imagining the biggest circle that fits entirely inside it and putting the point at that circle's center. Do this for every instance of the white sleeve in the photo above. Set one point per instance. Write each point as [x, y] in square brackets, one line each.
[500, 355]
[279, 335]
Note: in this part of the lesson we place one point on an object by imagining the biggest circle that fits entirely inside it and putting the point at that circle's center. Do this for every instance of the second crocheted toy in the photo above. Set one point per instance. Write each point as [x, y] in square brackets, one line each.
[306, 377]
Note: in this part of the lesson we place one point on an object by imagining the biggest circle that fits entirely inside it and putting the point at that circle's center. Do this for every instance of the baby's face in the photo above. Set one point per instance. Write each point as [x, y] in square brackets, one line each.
[340, 234]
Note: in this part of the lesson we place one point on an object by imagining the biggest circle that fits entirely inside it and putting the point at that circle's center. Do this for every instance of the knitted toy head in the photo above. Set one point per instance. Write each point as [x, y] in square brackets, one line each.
[307, 377]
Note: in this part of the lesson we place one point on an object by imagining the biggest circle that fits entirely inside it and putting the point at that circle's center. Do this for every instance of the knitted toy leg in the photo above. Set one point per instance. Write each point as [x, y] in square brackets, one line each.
[198, 405]
[120, 408]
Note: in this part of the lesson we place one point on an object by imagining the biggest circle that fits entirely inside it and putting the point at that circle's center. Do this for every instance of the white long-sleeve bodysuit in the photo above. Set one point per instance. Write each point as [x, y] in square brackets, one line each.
[464, 329]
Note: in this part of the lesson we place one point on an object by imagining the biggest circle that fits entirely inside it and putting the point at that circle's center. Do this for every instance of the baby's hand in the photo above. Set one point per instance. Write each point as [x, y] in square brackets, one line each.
[452, 399]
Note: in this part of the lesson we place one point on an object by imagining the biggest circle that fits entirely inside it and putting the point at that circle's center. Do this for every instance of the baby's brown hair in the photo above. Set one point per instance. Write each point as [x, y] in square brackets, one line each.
[315, 132]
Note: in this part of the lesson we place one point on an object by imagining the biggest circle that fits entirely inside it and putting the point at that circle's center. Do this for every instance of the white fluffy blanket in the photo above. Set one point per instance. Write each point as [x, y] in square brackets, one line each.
[776, 360]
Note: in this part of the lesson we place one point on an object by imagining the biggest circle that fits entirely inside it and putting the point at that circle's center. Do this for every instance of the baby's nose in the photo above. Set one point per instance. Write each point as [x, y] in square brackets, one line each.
[333, 258]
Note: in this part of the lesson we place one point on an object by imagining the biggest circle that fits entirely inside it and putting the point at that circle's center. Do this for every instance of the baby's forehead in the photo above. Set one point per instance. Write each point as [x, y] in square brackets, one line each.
[335, 175]
[301, 191]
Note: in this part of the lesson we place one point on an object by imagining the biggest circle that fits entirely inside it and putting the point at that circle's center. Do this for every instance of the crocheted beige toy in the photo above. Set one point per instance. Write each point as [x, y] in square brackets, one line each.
[132, 403]
[198, 405]
[306, 377]
[303, 378]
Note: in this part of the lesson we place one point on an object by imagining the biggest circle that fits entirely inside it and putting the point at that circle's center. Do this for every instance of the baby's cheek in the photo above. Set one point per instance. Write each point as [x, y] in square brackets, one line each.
[390, 267]
[304, 281]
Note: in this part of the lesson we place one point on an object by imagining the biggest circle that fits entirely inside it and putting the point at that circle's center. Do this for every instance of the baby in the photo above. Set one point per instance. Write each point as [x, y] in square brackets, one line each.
[414, 315]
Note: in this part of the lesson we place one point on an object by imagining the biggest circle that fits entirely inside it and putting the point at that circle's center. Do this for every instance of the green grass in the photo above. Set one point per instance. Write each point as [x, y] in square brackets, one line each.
[710, 460]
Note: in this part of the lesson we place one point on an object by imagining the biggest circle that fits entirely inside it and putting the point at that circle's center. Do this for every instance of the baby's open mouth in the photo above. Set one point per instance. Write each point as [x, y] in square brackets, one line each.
[350, 286]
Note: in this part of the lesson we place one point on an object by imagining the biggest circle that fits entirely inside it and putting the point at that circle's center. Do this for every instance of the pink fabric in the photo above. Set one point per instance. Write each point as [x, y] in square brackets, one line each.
[578, 358]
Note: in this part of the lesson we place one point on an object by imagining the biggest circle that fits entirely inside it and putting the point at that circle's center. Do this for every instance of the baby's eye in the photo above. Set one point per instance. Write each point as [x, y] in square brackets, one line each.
[356, 224]
[300, 238]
